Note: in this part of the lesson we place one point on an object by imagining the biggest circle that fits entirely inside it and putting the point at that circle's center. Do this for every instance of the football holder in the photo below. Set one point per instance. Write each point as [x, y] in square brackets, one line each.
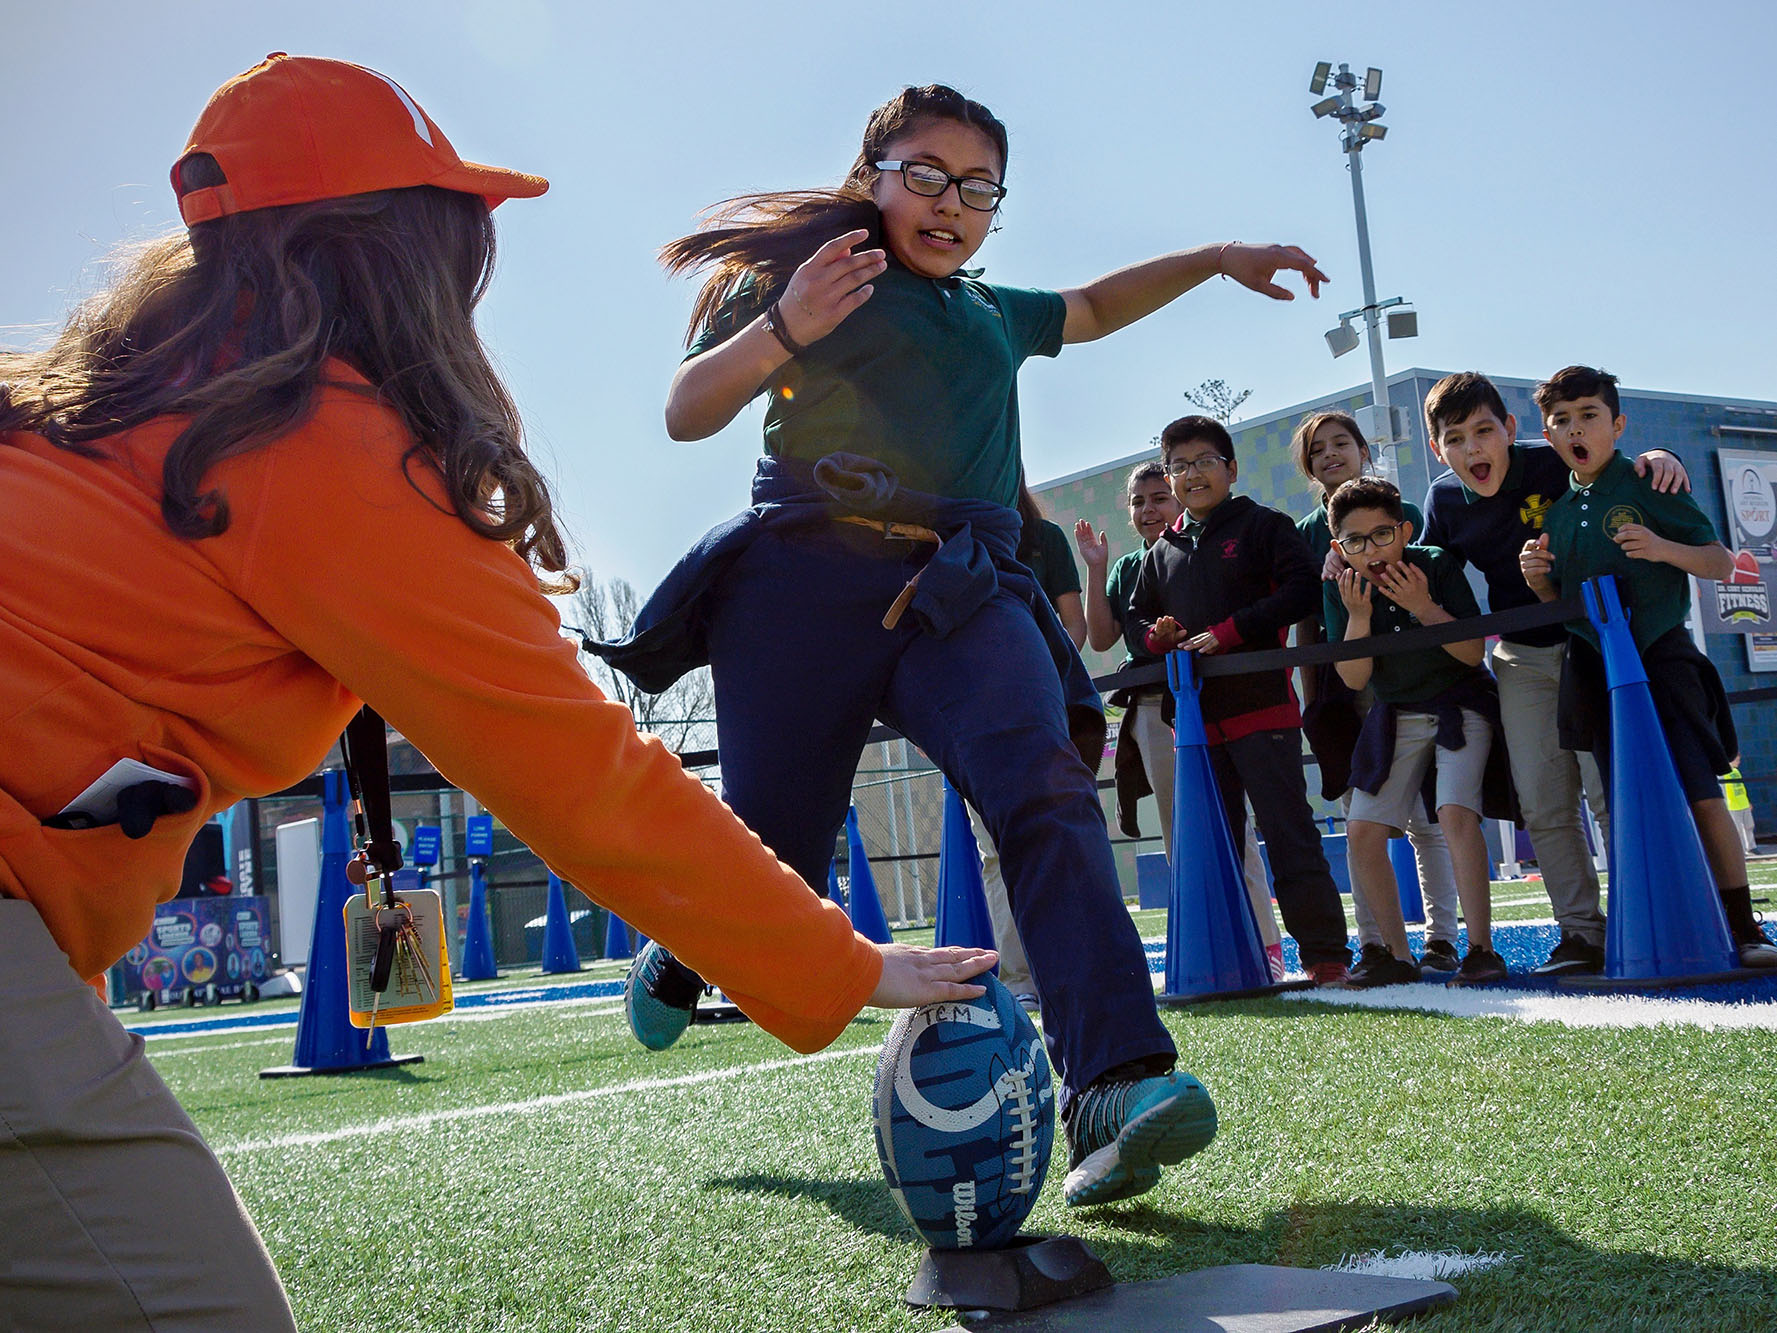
[1032, 1271]
[1665, 926]
[962, 899]
[559, 953]
[1213, 947]
[866, 907]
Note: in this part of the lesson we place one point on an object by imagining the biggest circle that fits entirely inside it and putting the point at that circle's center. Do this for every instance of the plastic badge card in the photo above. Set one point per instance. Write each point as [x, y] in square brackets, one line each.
[419, 972]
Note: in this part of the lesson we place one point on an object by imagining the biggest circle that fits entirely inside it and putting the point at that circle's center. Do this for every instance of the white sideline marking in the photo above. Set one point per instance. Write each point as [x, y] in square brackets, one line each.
[159, 1054]
[1421, 1264]
[1588, 1011]
[530, 1105]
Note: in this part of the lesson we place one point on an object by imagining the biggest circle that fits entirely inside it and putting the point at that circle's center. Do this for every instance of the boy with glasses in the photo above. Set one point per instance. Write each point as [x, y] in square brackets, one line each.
[1232, 576]
[1436, 708]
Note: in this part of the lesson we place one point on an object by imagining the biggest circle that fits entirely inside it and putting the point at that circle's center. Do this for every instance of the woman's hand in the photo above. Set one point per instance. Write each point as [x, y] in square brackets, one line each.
[1255, 266]
[1095, 548]
[831, 283]
[912, 976]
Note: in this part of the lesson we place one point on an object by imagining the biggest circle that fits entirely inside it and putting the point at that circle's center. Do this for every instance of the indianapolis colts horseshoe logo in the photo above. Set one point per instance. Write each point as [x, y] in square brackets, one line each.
[964, 1118]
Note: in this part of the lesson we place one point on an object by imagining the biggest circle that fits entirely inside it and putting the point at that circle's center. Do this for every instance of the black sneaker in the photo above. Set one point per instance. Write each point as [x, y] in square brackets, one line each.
[1573, 954]
[1480, 967]
[1760, 953]
[1385, 970]
[1439, 956]
[1369, 958]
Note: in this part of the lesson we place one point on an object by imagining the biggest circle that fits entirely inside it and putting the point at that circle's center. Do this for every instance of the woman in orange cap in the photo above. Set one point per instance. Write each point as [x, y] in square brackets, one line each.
[227, 493]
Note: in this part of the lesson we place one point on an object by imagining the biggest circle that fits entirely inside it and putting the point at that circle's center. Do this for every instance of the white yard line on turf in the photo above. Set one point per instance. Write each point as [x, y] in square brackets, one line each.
[159, 1054]
[1422, 1264]
[530, 1105]
[1578, 1011]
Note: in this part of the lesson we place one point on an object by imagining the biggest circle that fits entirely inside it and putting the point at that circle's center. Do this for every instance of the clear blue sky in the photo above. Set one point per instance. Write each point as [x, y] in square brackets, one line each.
[1568, 181]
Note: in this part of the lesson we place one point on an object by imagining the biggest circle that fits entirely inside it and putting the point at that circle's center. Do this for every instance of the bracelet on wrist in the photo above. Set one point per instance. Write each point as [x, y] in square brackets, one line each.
[1220, 254]
[774, 320]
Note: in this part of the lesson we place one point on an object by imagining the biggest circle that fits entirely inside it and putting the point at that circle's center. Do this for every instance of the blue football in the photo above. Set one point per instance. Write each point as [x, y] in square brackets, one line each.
[965, 1118]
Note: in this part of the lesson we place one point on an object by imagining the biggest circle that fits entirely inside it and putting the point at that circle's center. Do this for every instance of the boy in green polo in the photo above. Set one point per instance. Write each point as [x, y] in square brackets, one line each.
[1611, 521]
[1436, 709]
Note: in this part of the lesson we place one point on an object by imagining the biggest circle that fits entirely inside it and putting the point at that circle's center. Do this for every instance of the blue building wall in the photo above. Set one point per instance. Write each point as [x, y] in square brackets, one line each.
[1692, 427]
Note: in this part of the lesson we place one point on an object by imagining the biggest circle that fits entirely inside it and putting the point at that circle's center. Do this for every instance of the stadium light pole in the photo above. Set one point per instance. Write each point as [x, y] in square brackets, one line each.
[1361, 126]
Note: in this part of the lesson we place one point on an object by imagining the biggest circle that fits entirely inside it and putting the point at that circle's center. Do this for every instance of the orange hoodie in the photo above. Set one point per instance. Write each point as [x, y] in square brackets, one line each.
[237, 660]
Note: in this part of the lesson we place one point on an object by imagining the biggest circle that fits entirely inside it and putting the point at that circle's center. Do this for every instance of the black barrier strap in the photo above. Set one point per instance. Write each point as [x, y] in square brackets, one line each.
[1515, 621]
[365, 746]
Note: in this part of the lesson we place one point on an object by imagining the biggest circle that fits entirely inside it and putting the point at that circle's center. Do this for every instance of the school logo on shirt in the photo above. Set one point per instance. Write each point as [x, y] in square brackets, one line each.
[1531, 512]
[1230, 548]
[982, 301]
[1618, 516]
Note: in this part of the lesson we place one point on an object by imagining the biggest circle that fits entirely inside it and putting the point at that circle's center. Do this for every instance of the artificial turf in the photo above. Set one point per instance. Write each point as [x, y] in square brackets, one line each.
[541, 1171]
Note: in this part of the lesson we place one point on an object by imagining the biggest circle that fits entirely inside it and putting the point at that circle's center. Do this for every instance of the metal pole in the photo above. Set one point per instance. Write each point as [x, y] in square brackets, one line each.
[894, 824]
[1372, 317]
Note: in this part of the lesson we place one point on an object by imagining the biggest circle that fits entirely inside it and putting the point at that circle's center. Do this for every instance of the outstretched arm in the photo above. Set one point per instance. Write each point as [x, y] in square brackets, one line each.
[1103, 628]
[1119, 299]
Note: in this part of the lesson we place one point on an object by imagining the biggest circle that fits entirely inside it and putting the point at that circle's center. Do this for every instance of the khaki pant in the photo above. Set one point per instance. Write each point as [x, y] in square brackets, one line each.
[114, 1214]
[1549, 781]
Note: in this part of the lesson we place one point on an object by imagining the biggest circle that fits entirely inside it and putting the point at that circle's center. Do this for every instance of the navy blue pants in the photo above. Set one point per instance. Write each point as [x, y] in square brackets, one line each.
[803, 669]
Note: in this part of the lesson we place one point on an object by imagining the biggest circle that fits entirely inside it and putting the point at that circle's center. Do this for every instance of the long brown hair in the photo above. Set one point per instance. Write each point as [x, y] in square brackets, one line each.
[231, 324]
[768, 236]
[1303, 439]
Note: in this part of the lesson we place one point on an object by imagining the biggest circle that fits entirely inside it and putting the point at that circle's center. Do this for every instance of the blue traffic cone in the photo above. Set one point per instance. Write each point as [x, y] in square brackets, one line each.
[1665, 925]
[866, 907]
[326, 1041]
[478, 942]
[559, 953]
[1213, 946]
[962, 901]
[616, 938]
[834, 892]
[1406, 879]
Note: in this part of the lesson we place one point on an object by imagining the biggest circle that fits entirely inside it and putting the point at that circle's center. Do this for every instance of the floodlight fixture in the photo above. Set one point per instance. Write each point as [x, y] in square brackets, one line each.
[1374, 112]
[1341, 340]
[1372, 84]
[1326, 106]
[1403, 324]
[1372, 132]
[1318, 84]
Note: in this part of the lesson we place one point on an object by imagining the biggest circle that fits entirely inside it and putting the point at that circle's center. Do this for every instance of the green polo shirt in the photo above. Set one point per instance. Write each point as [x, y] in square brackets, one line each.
[1119, 587]
[1050, 556]
[923, 377]
[1411, 677]
[1580, 526]
[1319, 531]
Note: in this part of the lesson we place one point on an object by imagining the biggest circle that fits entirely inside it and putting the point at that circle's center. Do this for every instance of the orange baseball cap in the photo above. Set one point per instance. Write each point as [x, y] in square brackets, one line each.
[295, 129]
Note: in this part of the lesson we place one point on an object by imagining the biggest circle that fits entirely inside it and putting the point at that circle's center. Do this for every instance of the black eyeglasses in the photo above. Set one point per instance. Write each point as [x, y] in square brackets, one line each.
[923, 178]
[1181, 466]
[1358, 543]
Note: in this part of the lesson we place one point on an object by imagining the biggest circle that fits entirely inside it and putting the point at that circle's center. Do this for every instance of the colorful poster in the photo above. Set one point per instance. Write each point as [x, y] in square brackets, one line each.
[1742, 604]
[196, 942]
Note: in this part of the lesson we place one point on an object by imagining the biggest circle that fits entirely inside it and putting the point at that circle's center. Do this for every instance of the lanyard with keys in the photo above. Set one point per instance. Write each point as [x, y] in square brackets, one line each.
[398, 970]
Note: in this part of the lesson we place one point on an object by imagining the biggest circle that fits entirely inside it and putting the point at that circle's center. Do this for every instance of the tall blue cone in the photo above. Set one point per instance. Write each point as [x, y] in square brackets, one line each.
[962, 901]
[559, 953]
[866, 907]
[1665, 922]
[1406, 879]
[1213, 946]
[616, 938]
[326, 1041]
[834, 892]
[478, 938]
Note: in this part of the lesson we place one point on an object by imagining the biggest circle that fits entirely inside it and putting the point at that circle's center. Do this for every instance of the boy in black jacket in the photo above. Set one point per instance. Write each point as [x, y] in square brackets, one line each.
[1233, 576]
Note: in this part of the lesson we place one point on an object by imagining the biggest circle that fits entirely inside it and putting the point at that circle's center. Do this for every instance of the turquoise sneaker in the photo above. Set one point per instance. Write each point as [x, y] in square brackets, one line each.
[659, 996]
[1120, 1132]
